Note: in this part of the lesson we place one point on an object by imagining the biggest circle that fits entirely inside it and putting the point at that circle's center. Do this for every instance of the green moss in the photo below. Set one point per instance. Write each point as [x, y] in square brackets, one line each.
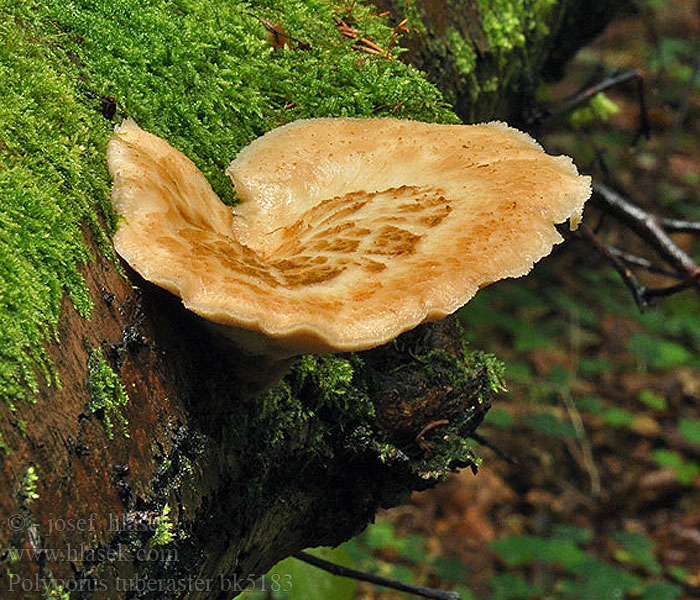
[464, 53]
[464, 57]
[487, 53]
[28, 490]
[509, 24]
[44, 139]
[319, 385]
[514, 33]
[164, 533]
[461, 372]
[107, 394]
[200, 74]
[599, 107]
[316, 384]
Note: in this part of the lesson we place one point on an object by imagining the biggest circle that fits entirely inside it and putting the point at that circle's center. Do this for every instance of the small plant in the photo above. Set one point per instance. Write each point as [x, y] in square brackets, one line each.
[164, 530]
[28, 493]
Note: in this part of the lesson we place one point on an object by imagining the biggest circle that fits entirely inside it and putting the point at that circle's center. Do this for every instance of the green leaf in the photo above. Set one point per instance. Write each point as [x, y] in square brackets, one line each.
[513, 587]
[600, 581]
[499, 418]
[657, 352]
[525, 549]
[450, 569]
[465, 593]
[686, 470]
[679, 573]
[618, 417]
[530, 337]
[382, 535]
[591, 404]
[559, 377]
[636, 549]
[571, 533]
[413, 548]
[519, 372]
[690, 430]
[594, 366]
[652, 400]
[660, 590]
[549, 424]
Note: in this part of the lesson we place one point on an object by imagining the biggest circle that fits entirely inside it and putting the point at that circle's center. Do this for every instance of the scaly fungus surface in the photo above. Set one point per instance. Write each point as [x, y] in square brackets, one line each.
[348, 231]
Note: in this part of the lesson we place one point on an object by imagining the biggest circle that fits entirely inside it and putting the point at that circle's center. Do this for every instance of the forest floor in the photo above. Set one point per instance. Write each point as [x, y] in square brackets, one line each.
[602, 412]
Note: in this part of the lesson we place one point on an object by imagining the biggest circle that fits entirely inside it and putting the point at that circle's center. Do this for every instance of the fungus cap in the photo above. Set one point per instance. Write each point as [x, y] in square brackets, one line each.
[349, 231]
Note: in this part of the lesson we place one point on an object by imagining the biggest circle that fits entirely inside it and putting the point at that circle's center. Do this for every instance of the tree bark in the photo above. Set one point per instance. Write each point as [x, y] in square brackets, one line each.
[488, 59]
[202, 479]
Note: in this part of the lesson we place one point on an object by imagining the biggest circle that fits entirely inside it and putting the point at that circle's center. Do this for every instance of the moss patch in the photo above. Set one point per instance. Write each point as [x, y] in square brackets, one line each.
[328, 389]
[107, 394]
[200, 73]
[512, 29]
[480, 53]
[28, 493]
[509, 24]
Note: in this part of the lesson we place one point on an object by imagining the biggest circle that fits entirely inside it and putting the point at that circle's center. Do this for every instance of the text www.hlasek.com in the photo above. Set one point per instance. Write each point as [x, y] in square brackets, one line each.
[81, 553]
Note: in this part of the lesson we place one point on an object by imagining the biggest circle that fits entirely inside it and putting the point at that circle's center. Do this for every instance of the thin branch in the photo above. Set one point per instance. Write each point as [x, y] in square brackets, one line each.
[631, 281]
[672, 289]
[586, 448]
[647, 227]
[418, 590]
[643, 263]
[484, 441]
[680, 226]
[650, 230]
[581, 97]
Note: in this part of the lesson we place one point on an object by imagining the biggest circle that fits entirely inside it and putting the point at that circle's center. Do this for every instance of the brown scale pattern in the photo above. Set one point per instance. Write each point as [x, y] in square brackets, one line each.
[308, 255]
[360, 235]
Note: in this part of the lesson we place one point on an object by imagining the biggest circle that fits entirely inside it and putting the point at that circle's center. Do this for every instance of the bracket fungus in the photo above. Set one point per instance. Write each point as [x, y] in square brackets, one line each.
[349, 231]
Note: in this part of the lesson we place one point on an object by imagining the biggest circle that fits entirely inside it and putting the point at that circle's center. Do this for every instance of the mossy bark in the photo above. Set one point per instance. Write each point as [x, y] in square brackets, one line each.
[489, 56]
[117, 402]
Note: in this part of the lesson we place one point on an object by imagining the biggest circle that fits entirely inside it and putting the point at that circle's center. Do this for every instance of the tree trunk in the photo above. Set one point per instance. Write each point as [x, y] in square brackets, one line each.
[137, 461]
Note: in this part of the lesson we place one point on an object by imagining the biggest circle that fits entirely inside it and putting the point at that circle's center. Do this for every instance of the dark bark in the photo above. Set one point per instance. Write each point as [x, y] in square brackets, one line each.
[503, 81]
[240, 501]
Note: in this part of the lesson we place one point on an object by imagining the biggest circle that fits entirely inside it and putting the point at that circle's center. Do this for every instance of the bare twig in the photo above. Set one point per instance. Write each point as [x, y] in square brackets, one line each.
[586, 449]
[418, 590]
[497, 450]
[680, 226]
[631, 281]
[647, 227]
[583, 96]
[362, 44]
[643, 263]
[651, 230]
